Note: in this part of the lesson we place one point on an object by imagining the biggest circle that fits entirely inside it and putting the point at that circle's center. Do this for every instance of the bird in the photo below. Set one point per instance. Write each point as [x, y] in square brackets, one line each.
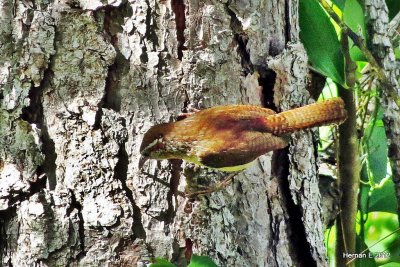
[230, 138]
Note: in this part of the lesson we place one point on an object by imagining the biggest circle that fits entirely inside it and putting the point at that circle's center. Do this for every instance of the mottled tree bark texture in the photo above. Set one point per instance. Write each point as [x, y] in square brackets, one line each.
[82, 81]
[381, 47]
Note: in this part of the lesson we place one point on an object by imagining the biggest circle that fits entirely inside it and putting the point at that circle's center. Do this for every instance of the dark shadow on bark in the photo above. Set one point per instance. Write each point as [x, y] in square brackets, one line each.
[49, 164]
[178, 7]
[5, 240]
[267, 82]
[241, 38]
[120, 173]
[114, 18]
[299, 247]
[34, 115]
[81, 226]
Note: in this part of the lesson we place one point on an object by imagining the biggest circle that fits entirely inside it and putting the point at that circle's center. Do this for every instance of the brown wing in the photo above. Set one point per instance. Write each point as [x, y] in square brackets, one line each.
[210, 122]
[251, 145]
[227, 136]
[234, 112]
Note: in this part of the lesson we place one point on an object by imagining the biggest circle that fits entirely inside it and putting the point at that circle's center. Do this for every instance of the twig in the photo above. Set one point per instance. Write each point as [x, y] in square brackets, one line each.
[377, 242]
[394, 24]
[359, 41]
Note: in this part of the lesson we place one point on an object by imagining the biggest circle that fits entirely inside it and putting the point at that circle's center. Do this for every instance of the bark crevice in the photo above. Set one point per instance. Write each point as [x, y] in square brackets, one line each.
[241, 38]
[269, 208]
[5, 217]
[151, 33]
[34, 187]
[33, 114]
[267, 81]
[288, 24]
[113, 22]
[178, 7]
[120, 173]
[297, 235]
[81, 224]
[173, 189]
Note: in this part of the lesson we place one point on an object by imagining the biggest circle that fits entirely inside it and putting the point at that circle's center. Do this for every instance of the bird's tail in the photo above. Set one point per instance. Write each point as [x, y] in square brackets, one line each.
[327, 112]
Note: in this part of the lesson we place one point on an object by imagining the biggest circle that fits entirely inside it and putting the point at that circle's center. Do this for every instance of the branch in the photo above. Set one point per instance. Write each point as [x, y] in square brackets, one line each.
[348, 166]
[394, 24]
[359, 41]
[394, 31]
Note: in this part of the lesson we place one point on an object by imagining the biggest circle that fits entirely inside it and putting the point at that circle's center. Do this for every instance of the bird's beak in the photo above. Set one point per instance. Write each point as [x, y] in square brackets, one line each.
[142, 161]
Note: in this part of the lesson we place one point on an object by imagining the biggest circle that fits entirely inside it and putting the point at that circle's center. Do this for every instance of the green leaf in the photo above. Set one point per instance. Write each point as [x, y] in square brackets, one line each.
[383, 198]
[382, 236]
[339, 3]
[364, 197]
[377, 148]
[397, 53]
[321, 41]
[394, 252]
[391, 264]
[367, 261]
[160, 262]
[353, 16]
[360, 67]
[394, 7]
[377, 154]
[201, 261]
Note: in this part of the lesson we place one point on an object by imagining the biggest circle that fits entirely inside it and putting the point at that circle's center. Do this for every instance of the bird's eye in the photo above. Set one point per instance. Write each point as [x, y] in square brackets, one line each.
[160, 136]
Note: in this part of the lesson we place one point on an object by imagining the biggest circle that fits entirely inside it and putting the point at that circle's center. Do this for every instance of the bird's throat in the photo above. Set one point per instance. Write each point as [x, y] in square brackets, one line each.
[196, 160]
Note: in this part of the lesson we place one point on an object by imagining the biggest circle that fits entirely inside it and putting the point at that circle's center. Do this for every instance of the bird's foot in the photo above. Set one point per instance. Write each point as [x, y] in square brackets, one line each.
[211, 189]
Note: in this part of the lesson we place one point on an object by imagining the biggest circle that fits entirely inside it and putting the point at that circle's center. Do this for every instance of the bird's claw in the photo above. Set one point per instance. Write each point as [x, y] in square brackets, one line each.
[209, 190]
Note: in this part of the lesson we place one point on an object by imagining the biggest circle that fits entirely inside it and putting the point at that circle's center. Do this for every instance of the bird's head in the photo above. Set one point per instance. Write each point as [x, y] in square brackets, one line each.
[154, 144]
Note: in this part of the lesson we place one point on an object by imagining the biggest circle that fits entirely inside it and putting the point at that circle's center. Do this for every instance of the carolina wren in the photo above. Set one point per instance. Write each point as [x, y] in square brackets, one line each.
[230, 138]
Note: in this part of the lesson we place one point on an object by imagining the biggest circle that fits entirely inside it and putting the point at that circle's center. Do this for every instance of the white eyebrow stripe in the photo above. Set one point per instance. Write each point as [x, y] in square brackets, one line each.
[150, 145]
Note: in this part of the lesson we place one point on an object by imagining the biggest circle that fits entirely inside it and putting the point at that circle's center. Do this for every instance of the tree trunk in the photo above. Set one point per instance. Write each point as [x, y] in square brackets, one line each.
[82, 81]
[382, 49]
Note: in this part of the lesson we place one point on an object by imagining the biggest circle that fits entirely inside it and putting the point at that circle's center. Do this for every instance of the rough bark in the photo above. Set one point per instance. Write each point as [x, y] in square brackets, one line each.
[304, 203]
[381, 47]
[81, 83]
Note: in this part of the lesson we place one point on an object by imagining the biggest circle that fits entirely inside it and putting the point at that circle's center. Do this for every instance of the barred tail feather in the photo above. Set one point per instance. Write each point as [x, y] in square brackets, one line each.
[327, 112]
